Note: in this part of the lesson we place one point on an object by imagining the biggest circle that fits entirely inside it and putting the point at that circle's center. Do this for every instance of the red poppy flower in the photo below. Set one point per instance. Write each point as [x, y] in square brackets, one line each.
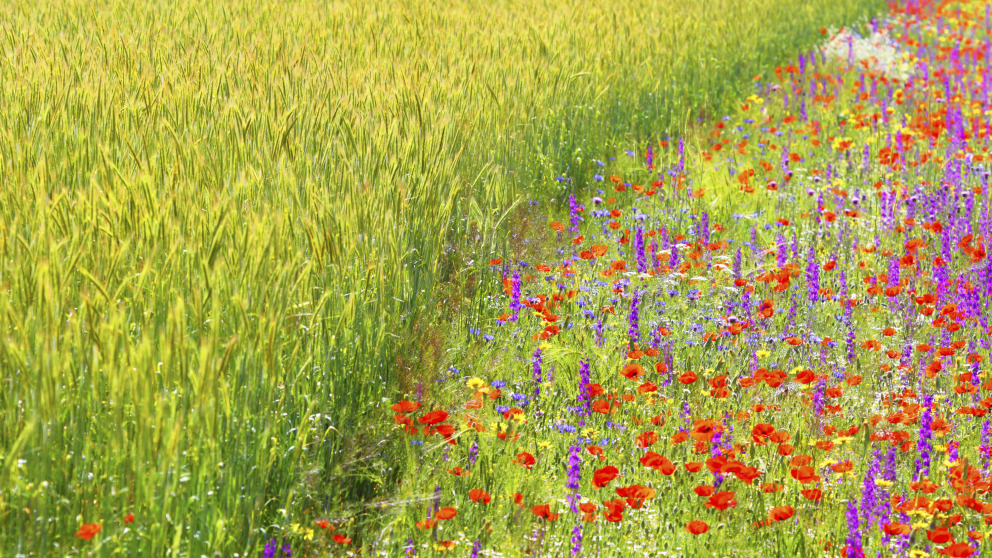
[697, 527]
[812, 494]
[722, 501]
[433, 417]
[705, 490]
[588, 510]
[658, 462]
[324, 524]
[602, 477]
[957, 550]
[479, 495]
[601, 406]
[893, 529]
[805, 475]
[781, 513]
[769, 487]
[89, 530]
[761, 431]
[446, 513]
[940, 535]
[129, 518]
[647, 387]
[596, 450]
[646, 439]
[341, 539]
[405, 406]
[636, 492]
[842, 467]
[525, 459]
[613, 510]
[688, 377]
[704, 430]
[544, 510]
[632, 371]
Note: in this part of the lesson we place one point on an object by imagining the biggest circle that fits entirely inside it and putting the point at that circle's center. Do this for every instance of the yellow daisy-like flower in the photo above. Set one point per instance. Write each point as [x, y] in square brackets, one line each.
[475, 383]
[762, 353]
[588, 433]
[883, 483]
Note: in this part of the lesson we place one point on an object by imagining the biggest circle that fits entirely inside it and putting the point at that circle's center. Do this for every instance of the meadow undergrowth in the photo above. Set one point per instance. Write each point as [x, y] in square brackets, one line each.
[775, 344]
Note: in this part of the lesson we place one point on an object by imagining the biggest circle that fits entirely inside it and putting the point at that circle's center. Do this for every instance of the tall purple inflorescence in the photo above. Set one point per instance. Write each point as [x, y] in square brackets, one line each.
[813, 276]
[515, 296]
[574, 210]
[585, 377]
[635, 331]
[642, 263]
[536, 373]
[574, 473]
[853, 548]
[924, 445]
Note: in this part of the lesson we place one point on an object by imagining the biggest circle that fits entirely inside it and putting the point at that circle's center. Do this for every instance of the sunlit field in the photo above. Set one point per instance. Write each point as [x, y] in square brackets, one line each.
[539, 278]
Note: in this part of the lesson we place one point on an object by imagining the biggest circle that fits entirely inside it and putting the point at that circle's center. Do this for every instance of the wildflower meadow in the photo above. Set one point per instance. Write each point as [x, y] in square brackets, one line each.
[701, 278]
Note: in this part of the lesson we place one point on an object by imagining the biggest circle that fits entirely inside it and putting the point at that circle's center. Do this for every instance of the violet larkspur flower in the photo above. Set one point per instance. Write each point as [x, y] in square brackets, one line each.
[574, 210]
[574, 473]
[473, 453]
[818, 401]
[515, 296]
[642, 264]
[634, 332]
[270, 549]
[869, 496]
[813, 276]
[584, 381]
[537, 373]
[985, 448]
[853, 548]
[923, 444]
[576, 539]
